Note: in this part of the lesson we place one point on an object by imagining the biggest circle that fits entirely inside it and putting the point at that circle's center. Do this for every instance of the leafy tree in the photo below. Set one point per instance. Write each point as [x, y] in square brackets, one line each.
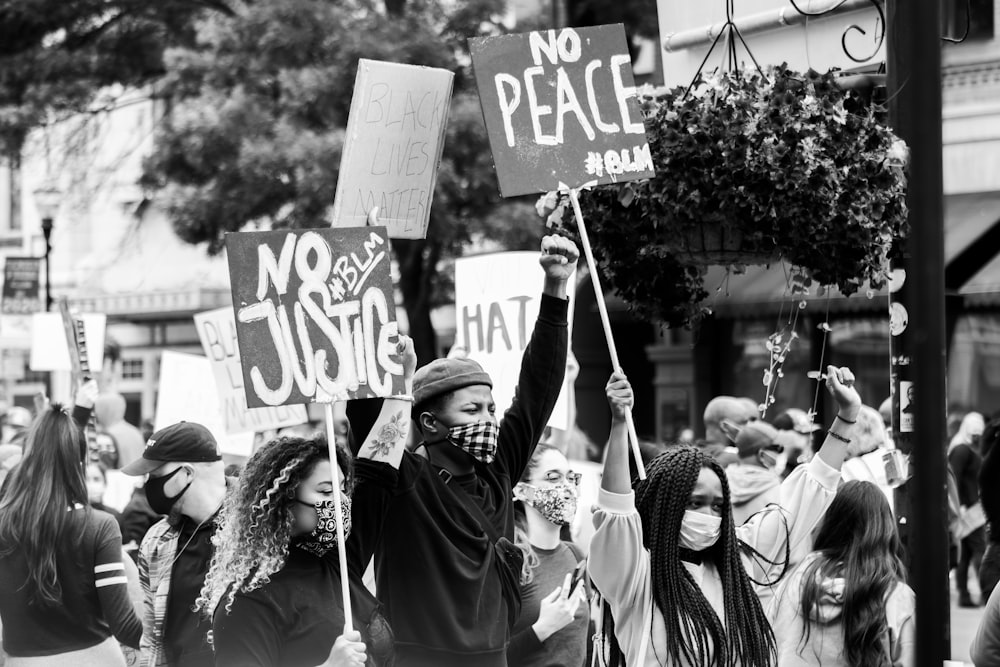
[259, 104]
[55, 55]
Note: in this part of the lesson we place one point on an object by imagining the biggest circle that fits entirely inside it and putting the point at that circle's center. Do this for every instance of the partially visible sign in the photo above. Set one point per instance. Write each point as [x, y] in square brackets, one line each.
[395, 135]
[187, 393]
[496, 304]
[315, 313]
[49, 349]
[217, 331]
[21, 286]
[560, 108]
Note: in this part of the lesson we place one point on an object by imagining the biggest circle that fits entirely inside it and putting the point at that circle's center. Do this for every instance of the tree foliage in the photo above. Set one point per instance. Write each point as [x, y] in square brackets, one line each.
[255, 131]
[56, 55]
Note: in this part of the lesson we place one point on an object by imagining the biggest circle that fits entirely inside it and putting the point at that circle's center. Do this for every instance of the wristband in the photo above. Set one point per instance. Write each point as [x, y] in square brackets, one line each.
[846, 421]
[837, 436]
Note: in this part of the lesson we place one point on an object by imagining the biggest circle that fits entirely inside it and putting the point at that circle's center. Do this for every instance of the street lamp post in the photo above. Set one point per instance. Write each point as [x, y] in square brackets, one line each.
[47, 233]
[47, 200]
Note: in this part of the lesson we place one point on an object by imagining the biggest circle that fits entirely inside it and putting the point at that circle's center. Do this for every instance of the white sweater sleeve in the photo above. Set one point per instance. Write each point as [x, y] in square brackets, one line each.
[805, 496]
[619, 568]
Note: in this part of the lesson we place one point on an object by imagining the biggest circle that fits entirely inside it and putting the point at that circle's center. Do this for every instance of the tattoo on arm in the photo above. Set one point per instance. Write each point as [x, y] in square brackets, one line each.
[389, 436]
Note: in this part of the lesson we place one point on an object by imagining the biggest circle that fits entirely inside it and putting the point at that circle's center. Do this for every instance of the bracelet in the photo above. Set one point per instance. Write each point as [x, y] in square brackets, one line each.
[846, 421]
[844, 440]
[403, 397]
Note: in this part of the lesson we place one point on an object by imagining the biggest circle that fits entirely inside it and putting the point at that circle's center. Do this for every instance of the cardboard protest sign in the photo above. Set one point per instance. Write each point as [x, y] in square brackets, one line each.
[49, 349]
[395, 135]
[315, 314]
[560, 108]
[217, 331]
[496, 305]
[187, 393]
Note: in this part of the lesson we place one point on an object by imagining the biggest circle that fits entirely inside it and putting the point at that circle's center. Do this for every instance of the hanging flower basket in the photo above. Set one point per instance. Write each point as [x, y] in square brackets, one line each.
[752, 168]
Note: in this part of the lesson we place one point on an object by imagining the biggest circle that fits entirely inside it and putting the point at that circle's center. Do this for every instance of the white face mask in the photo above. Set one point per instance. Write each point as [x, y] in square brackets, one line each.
[699, 531]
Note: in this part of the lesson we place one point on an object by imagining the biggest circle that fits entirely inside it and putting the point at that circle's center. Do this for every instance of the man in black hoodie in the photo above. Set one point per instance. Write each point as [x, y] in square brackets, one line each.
[446, 571]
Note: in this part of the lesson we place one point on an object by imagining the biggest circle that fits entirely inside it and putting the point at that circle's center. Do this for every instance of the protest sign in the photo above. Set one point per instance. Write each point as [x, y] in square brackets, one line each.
[20, 298]
[560, 109]
[187, 393]
[395, 135]
[496, 304]
[21, 286]
[315, 314]
[217, 331]
[49, 349]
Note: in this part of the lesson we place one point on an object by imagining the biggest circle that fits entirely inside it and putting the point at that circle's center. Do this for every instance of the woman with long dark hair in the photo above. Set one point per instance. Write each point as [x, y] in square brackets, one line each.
[63, 589]
[552, 627]
[846, 603]
[673, 568]
[273, 591]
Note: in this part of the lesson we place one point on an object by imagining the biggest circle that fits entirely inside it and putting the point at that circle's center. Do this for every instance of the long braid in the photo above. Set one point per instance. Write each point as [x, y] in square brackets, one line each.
[694, 632]
[751, 640]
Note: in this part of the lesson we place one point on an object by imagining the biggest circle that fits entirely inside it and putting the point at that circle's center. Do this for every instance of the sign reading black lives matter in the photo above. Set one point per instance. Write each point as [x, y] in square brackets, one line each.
[395, 135]
[560, 108]
[315, 315]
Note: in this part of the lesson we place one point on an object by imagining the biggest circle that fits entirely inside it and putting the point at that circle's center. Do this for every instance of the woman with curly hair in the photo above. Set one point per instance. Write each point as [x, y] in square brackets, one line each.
[677, 574]
[274, 588]
[846, 603]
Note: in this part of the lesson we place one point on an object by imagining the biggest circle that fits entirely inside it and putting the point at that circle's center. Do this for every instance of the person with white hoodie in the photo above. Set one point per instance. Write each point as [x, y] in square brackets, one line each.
[846, 603]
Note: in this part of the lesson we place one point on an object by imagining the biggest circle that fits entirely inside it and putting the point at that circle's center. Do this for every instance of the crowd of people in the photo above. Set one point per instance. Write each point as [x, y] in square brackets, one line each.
[449, 528]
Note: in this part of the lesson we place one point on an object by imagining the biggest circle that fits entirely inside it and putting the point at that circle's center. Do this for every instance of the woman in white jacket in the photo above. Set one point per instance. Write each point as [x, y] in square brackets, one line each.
[846, 604]
[672, 566]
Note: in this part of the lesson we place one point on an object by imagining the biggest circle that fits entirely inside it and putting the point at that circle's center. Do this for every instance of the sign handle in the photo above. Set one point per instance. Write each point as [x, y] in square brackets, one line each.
[345, 587]
[603, 310]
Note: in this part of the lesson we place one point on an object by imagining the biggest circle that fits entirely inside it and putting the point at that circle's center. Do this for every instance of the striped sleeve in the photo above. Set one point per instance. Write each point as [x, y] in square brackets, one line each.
[111, 582]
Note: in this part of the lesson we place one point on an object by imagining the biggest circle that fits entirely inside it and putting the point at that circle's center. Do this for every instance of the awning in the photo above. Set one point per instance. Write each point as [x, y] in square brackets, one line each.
[763, 290]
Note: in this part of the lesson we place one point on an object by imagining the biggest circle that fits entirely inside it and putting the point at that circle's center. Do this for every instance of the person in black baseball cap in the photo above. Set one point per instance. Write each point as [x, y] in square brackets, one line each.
[186, 481]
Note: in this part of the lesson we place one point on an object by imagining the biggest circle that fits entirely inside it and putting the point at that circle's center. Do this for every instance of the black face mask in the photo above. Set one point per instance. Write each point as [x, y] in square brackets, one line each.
[158, 499]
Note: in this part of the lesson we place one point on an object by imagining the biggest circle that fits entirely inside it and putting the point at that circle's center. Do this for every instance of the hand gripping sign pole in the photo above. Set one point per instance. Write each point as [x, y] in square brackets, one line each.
[603, 310]
[345, 588]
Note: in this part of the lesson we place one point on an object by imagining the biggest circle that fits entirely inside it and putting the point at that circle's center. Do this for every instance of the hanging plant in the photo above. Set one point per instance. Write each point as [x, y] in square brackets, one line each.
[751, 168]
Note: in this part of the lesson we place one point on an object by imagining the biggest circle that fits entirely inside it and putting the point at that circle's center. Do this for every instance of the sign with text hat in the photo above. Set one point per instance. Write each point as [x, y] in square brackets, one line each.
[560, 109]
[184, 442]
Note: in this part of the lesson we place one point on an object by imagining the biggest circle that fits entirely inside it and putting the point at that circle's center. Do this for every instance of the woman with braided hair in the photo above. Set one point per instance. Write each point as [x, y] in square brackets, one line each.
[672, 566]
[273, 591]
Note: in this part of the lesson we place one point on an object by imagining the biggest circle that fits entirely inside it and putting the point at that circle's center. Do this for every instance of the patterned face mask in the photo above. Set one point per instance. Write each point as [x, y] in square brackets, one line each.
[323, 538]
[556, 503]
[479, 439]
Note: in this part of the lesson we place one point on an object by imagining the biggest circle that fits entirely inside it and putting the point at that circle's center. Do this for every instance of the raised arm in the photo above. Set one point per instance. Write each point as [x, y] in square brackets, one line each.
[616, 471]
[840, 383]
[543, 364]
[387, 440]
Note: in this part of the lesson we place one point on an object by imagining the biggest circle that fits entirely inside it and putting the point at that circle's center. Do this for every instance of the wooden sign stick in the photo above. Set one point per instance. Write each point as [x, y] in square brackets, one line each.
[603, 310]
[345, 588]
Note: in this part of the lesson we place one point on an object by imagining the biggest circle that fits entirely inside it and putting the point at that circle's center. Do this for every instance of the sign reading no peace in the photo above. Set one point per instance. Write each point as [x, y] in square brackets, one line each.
[315, 315]
[560, 108]
[395, 136]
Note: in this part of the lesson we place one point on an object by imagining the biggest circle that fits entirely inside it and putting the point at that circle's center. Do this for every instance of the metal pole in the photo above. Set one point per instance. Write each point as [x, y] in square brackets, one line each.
[914, 89]
[47, 233]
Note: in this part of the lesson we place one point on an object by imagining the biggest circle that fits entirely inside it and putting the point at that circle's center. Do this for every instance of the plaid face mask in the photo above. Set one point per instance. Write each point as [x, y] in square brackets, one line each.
[479, 439]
